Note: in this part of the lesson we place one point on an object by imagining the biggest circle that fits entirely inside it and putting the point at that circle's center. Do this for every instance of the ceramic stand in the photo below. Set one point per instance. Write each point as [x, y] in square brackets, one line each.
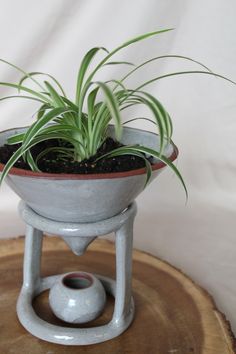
[78, 236]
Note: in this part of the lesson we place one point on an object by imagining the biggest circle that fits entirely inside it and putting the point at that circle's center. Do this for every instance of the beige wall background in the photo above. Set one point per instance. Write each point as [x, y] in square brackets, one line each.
[52, 35]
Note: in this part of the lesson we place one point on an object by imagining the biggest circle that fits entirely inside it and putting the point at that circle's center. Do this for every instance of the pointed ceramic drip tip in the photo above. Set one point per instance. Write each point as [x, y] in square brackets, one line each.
[78, 245]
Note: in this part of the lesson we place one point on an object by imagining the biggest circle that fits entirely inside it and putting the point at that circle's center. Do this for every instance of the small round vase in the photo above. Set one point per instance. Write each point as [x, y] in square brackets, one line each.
[77, 297]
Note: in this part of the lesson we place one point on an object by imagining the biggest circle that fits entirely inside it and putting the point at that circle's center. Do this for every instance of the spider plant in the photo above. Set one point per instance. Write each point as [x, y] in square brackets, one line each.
[82, 123]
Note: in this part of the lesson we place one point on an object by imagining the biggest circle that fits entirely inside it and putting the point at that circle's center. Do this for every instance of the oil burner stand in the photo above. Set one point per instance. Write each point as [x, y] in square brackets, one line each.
[77, 236]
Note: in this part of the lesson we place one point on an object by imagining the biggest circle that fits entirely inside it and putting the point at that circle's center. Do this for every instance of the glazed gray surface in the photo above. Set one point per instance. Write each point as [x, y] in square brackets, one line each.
[77, 304]
[83, 200]
[33, 284]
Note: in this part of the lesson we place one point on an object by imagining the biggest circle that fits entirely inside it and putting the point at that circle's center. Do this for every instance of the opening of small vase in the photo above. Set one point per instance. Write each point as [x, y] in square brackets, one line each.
[77, 281]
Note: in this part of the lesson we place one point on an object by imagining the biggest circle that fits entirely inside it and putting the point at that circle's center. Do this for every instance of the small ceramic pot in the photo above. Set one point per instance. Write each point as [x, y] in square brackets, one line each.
[77, 297]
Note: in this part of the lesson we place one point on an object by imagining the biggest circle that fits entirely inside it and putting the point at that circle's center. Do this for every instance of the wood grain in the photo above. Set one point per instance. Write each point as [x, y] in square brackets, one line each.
[173, 314]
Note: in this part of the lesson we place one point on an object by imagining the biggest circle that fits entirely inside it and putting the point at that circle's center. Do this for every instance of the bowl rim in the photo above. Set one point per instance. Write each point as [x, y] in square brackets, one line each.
[76, 176]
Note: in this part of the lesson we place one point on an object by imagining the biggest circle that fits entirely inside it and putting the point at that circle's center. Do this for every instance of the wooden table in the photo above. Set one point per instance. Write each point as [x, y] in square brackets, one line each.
[173, 314]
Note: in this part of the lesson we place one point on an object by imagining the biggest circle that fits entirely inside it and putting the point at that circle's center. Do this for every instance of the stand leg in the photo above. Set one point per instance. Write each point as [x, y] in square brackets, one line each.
[32, 258]
[124, 246]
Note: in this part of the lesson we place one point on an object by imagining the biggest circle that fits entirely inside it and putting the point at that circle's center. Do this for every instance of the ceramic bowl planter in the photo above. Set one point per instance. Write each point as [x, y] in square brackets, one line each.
[85, 198]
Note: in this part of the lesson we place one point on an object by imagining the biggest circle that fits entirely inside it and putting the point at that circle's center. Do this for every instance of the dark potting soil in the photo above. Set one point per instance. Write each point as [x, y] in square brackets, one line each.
[51, 163]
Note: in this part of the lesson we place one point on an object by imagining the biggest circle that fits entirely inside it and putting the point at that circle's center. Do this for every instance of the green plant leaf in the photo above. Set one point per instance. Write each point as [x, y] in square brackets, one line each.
[162, 113]
[158, 113]
[16, 139]
[29, 75]
[71, 104]
[91, 108]
[126, 44]
[183, 73]
[119, 63]
[122, 46]
[139, 118]
[118, 83]
[113, 107]
[83, 69]
[26, 89]
[39, 124]
[21, 96]
[10, 163]
[31, 162]
[68, 151]
[122, 151]
[42, 110]
[147, 151]
[164, 57]
[60, 127]
[57, 101]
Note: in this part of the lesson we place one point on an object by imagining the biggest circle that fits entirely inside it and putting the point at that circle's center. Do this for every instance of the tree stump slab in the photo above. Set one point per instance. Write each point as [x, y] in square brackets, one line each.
[173, 314]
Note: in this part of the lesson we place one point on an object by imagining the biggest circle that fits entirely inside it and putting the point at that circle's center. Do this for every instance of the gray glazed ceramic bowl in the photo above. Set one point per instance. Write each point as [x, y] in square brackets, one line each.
[84, 198]
[77, 297]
